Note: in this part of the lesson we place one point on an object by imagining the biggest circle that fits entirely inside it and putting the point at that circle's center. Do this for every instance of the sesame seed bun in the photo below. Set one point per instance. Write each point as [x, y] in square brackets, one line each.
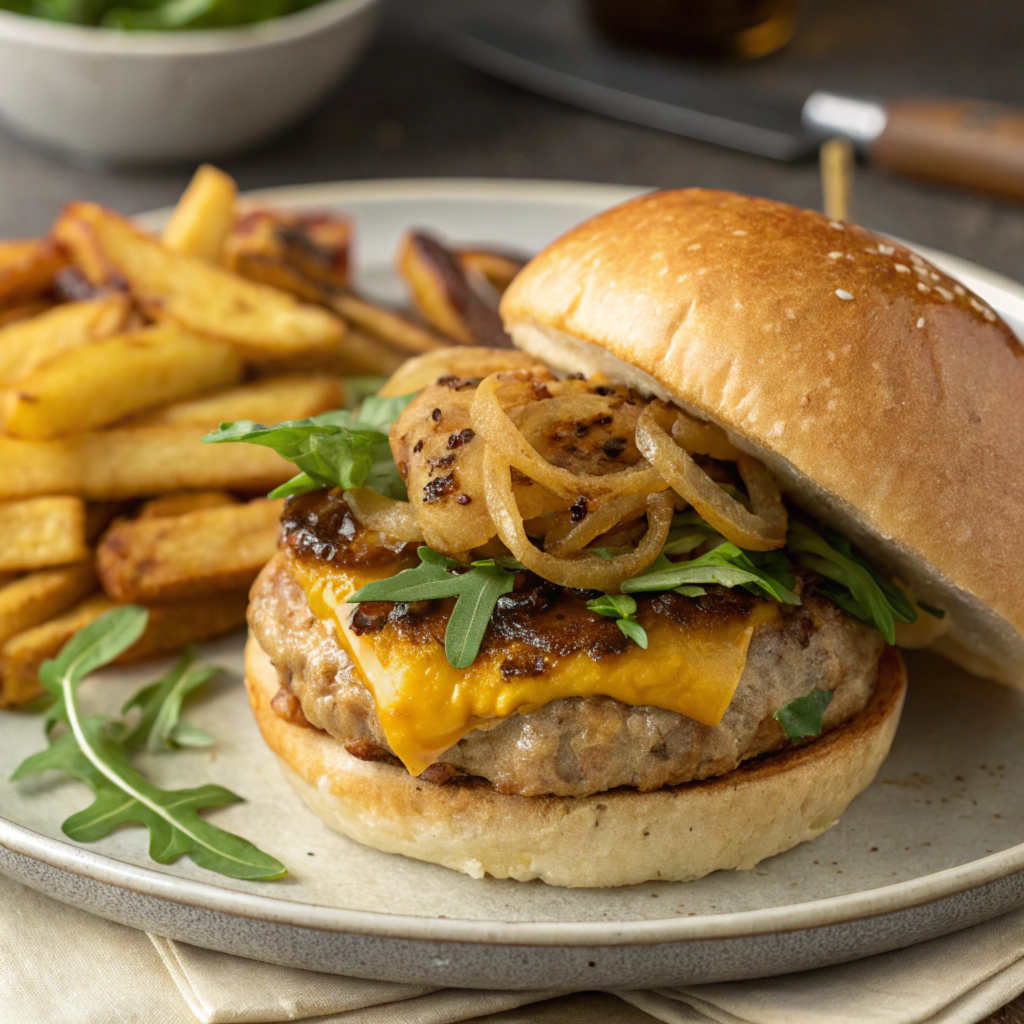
[886, 398]
[678, 833]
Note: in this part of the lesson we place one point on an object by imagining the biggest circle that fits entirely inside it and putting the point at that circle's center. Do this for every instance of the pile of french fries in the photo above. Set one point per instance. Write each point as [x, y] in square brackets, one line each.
[120, 350]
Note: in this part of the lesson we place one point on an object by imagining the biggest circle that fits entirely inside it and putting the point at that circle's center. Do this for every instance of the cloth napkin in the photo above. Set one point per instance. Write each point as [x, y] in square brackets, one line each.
[64, 965]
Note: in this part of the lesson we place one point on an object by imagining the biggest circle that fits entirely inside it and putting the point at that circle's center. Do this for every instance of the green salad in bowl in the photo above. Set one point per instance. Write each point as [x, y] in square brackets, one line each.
[157, 15]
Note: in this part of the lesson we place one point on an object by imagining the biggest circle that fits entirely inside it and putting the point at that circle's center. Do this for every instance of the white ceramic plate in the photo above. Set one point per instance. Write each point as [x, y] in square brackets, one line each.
[937, 843]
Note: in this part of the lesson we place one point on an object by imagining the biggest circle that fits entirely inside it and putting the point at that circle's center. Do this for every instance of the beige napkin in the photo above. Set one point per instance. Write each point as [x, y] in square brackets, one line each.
[62, 964]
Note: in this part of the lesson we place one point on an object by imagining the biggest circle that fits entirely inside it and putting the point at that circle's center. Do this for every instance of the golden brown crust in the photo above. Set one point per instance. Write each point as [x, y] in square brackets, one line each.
[614, 838]
[885, 396]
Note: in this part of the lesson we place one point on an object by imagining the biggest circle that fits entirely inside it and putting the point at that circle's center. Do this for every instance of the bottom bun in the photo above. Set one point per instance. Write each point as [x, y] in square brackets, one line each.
[679, 833]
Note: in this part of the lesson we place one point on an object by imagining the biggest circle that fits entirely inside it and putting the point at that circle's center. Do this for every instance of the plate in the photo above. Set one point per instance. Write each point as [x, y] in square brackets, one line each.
[935, 844]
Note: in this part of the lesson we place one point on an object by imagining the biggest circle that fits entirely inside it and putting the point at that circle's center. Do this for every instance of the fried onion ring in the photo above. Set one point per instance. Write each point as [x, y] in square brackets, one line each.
[585, 570]
[762, 529]
[458, 361]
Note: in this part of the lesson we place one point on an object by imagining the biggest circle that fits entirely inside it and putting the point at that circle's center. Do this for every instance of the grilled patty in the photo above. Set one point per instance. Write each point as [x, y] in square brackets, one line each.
[568, 747]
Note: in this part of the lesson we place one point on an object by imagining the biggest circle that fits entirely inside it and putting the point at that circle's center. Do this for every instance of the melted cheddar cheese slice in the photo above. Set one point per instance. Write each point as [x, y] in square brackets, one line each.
[426, 706]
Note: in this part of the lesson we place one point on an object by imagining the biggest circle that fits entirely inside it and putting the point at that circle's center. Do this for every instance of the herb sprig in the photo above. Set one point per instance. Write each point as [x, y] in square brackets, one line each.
[621, 608]
[334, 449]
[96, 751]
[477, 590]
[802, 718]
[856, 585]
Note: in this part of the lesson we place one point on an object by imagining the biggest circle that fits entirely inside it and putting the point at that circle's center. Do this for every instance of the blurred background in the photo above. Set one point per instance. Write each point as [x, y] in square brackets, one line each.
[411, 108]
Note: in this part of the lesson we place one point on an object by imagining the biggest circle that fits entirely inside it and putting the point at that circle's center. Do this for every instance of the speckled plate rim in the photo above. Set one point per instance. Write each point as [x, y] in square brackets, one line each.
[1005, 296]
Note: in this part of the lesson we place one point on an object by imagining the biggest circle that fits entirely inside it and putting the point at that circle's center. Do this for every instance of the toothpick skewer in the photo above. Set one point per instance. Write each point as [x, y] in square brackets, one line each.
[837, 164]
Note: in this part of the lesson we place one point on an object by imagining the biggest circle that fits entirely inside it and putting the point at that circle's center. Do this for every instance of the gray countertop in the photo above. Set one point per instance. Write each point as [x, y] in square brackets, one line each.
[409, 110]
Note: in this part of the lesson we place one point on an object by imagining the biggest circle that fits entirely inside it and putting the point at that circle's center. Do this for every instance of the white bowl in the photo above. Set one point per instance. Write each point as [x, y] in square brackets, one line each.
[104, 95]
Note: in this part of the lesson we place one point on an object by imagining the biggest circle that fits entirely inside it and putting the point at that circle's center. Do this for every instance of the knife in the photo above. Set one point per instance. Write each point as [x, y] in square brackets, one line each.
[973, 143]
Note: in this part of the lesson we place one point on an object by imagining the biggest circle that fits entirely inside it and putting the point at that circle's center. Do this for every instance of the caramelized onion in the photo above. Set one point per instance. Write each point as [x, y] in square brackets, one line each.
[564, 541]
[761, 529]
[585, 570]
[504, 438]
[386, 515]
[703, 438]
[459, 361]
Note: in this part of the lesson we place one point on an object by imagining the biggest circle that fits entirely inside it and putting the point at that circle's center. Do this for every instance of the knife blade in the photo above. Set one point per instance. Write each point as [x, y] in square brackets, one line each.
[976, 144]
[636, 90]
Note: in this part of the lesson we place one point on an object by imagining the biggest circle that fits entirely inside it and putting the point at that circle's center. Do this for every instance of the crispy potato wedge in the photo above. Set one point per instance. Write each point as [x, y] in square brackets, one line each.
[27, 269]
[23, 654]
[180, 502]
[262, 321]
[135, 462]
[99, 384]
[443, 294]
[24, 312]
[39, 596]
[306, 252]
[29, 344]
[170, 628]
[388, 325]
[358, 354]
[497, 268]
[161, 560]
[40, 532]
[204, 216]
[272, 400]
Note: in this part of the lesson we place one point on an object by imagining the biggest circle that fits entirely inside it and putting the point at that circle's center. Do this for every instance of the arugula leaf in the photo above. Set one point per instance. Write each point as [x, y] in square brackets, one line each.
[622, 608]
[160, 726]
[91, 752]
[480, 589]
[865, 593]
[477, 591]
[334, 449]
[802, 717]
[726, 565]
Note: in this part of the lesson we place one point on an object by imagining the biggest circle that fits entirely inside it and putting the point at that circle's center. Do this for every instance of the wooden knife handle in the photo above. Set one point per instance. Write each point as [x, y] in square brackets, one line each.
[962, 142]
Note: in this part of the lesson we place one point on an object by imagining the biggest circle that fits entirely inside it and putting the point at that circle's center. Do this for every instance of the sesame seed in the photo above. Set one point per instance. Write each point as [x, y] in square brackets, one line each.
[977, 305]
[989, 315]
[843, 294]
[922, 287]
[920, 323]
[694, 247]
[959, 289]
[903, 268]
[886, 250]
[836, 225]
[740, 233]
[920, 270]
[945, 293]
[935, 277]
[835, 255]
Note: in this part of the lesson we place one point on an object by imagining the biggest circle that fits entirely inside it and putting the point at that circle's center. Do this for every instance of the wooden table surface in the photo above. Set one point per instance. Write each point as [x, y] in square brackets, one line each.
[409, 111]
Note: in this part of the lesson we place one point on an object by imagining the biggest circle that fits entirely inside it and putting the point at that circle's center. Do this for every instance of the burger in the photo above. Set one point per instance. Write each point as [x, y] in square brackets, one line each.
[623, 602]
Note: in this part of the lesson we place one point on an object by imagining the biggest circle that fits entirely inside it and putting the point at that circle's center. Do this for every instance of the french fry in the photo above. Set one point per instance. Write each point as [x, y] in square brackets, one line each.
[303, 253]
[441, 291]
[40, 532]
[204, 216]
[23, 654]
[104, 382]
[387, 324]
[265, 401]
[169, 629]
[180, 502]
[262, 321]
[135, 462]
[497, 268]
[29, 344]
[39, 596]
[27, 269]
[24, 312]
[156, 561]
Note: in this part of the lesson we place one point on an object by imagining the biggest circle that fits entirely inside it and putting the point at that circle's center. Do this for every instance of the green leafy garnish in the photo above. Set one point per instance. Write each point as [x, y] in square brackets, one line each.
[334, 449]
[859, 588]
[762, 573]
[95, 751]
[688, 532]
[937, 613]
[621, 608]
[477, 591]
[160, 725]
[157, 15]
[802, 717]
